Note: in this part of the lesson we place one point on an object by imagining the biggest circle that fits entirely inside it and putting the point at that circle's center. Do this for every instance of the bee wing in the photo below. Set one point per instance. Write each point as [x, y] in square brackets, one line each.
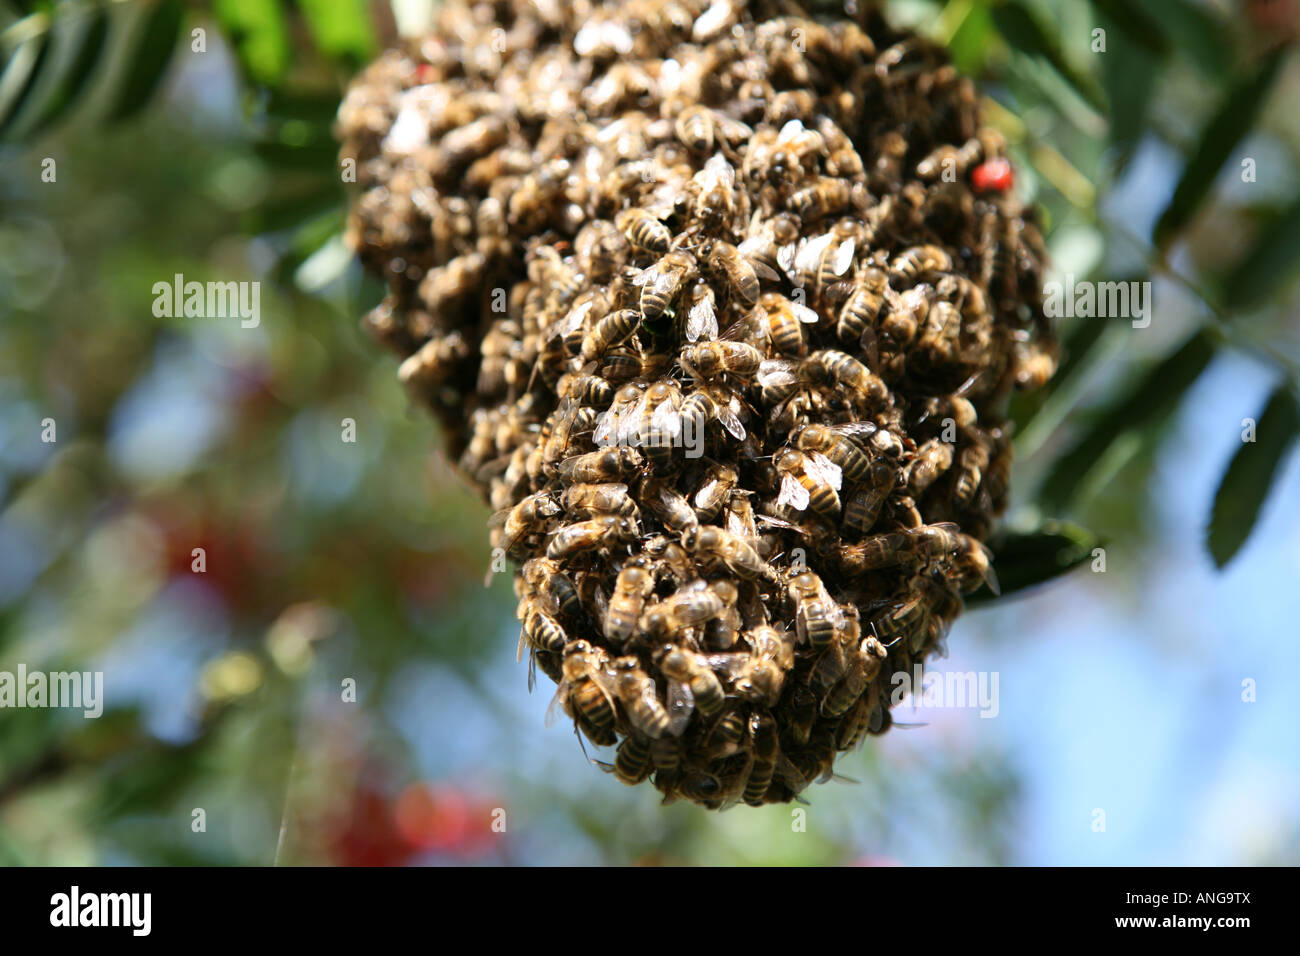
[804, 314]
[822, 468]
[705, 494]
[857, 432]
[785, 258]
[730, 421]
[809, 257]
[718, 170]
[793, 493]
[665, 419]
[763, 270]
[629, 424]
[532, 669]
[775, 372]
[681, 702]
[732, 663]
[842, 258]
[558, 704]
[606, 428]
[870, 349]
[702, 321]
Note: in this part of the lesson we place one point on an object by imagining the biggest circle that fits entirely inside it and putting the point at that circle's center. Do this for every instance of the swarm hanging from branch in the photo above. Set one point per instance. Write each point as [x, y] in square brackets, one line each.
[719, 306]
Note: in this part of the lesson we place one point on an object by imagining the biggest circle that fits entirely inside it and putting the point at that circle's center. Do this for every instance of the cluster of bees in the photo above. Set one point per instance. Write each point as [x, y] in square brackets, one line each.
[712, 312]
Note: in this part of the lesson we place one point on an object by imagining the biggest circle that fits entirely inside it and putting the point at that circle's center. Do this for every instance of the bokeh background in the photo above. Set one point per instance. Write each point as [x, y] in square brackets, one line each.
[1146, 714]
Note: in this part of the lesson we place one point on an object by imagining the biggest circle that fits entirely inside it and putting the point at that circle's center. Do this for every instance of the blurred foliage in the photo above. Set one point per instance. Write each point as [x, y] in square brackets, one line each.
[195, 138]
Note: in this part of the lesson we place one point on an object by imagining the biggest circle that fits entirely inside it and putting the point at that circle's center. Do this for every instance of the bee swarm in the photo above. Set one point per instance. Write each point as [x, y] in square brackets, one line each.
[712, 313]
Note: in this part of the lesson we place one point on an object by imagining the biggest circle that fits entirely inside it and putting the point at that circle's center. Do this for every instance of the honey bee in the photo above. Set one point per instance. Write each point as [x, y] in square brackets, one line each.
[711, 543]
[910, 264]
[689, 606]
[633, 586]
[858, 314]
[660, 425]
[817, 616]
[672, 509]
[973, 563]
[863, 507]
[643, 230]
[529, 518]
[767, 747]
[546, 583]
[933, 459]
[823, 198]
[767, 237]
[632, 762]
[712, 193]
[600, 466]
[601, 533]
[800, 715]
[586, 692]
[903, 619]
[720, 481]
[847, 446]
[761, 676]
[708, 360]
[560, 430]
[694, 127]
[687, 667]
[608, 332]
[666, 753]
[847, 372]
[727, 260]
[608, 498]
[809, 481]
[785, 322]
[701, 313]
[970, 471]
[661, 282]
[725, 735]
[635, 689]
[541, 633]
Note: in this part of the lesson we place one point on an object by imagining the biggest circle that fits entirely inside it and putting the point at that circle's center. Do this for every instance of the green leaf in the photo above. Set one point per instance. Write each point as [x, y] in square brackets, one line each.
[1230, 124]
[1129, 76]
[342, 29]
[1198, 33]
[30, 39]
[1250, 474]
[1269, 265]
[1022, 30]
[1135, 24]
[76, 50]
[260, 34]
[156, 41]
[1023, 560]
[1146, 405]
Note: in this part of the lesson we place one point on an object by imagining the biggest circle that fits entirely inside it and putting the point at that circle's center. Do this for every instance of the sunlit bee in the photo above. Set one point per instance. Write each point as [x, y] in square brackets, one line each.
[701, 313]
[767, 238]
[561, 429]
[542, 632]
[849, 373]
[661, 423]
[858, 314]
[609, 331]
[809, 481]
[843, 447]
[726, 260]
[970, 472]
[607, 498]
[666, 754]
[823, 198]
[601, 533]
[933, 459]
[763, 730]
[720, 481]
[689, 606]
[632, 587]
[911, 264]
[973, 562]
[736, 554]
[710, 359]
[661, 282]
[590, 390]
[692, 669]
[785, 323]
[635, 689]
[727, 732]
[816, 613]
[643, 230]
[603, 465]
[532, 516]
[759, 678]
[694, 127]
[546, 581]
[902, 618]
[586, 691]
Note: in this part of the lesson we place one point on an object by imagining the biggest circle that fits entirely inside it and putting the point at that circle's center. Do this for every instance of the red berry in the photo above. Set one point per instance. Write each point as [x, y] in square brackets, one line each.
[994, 175]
